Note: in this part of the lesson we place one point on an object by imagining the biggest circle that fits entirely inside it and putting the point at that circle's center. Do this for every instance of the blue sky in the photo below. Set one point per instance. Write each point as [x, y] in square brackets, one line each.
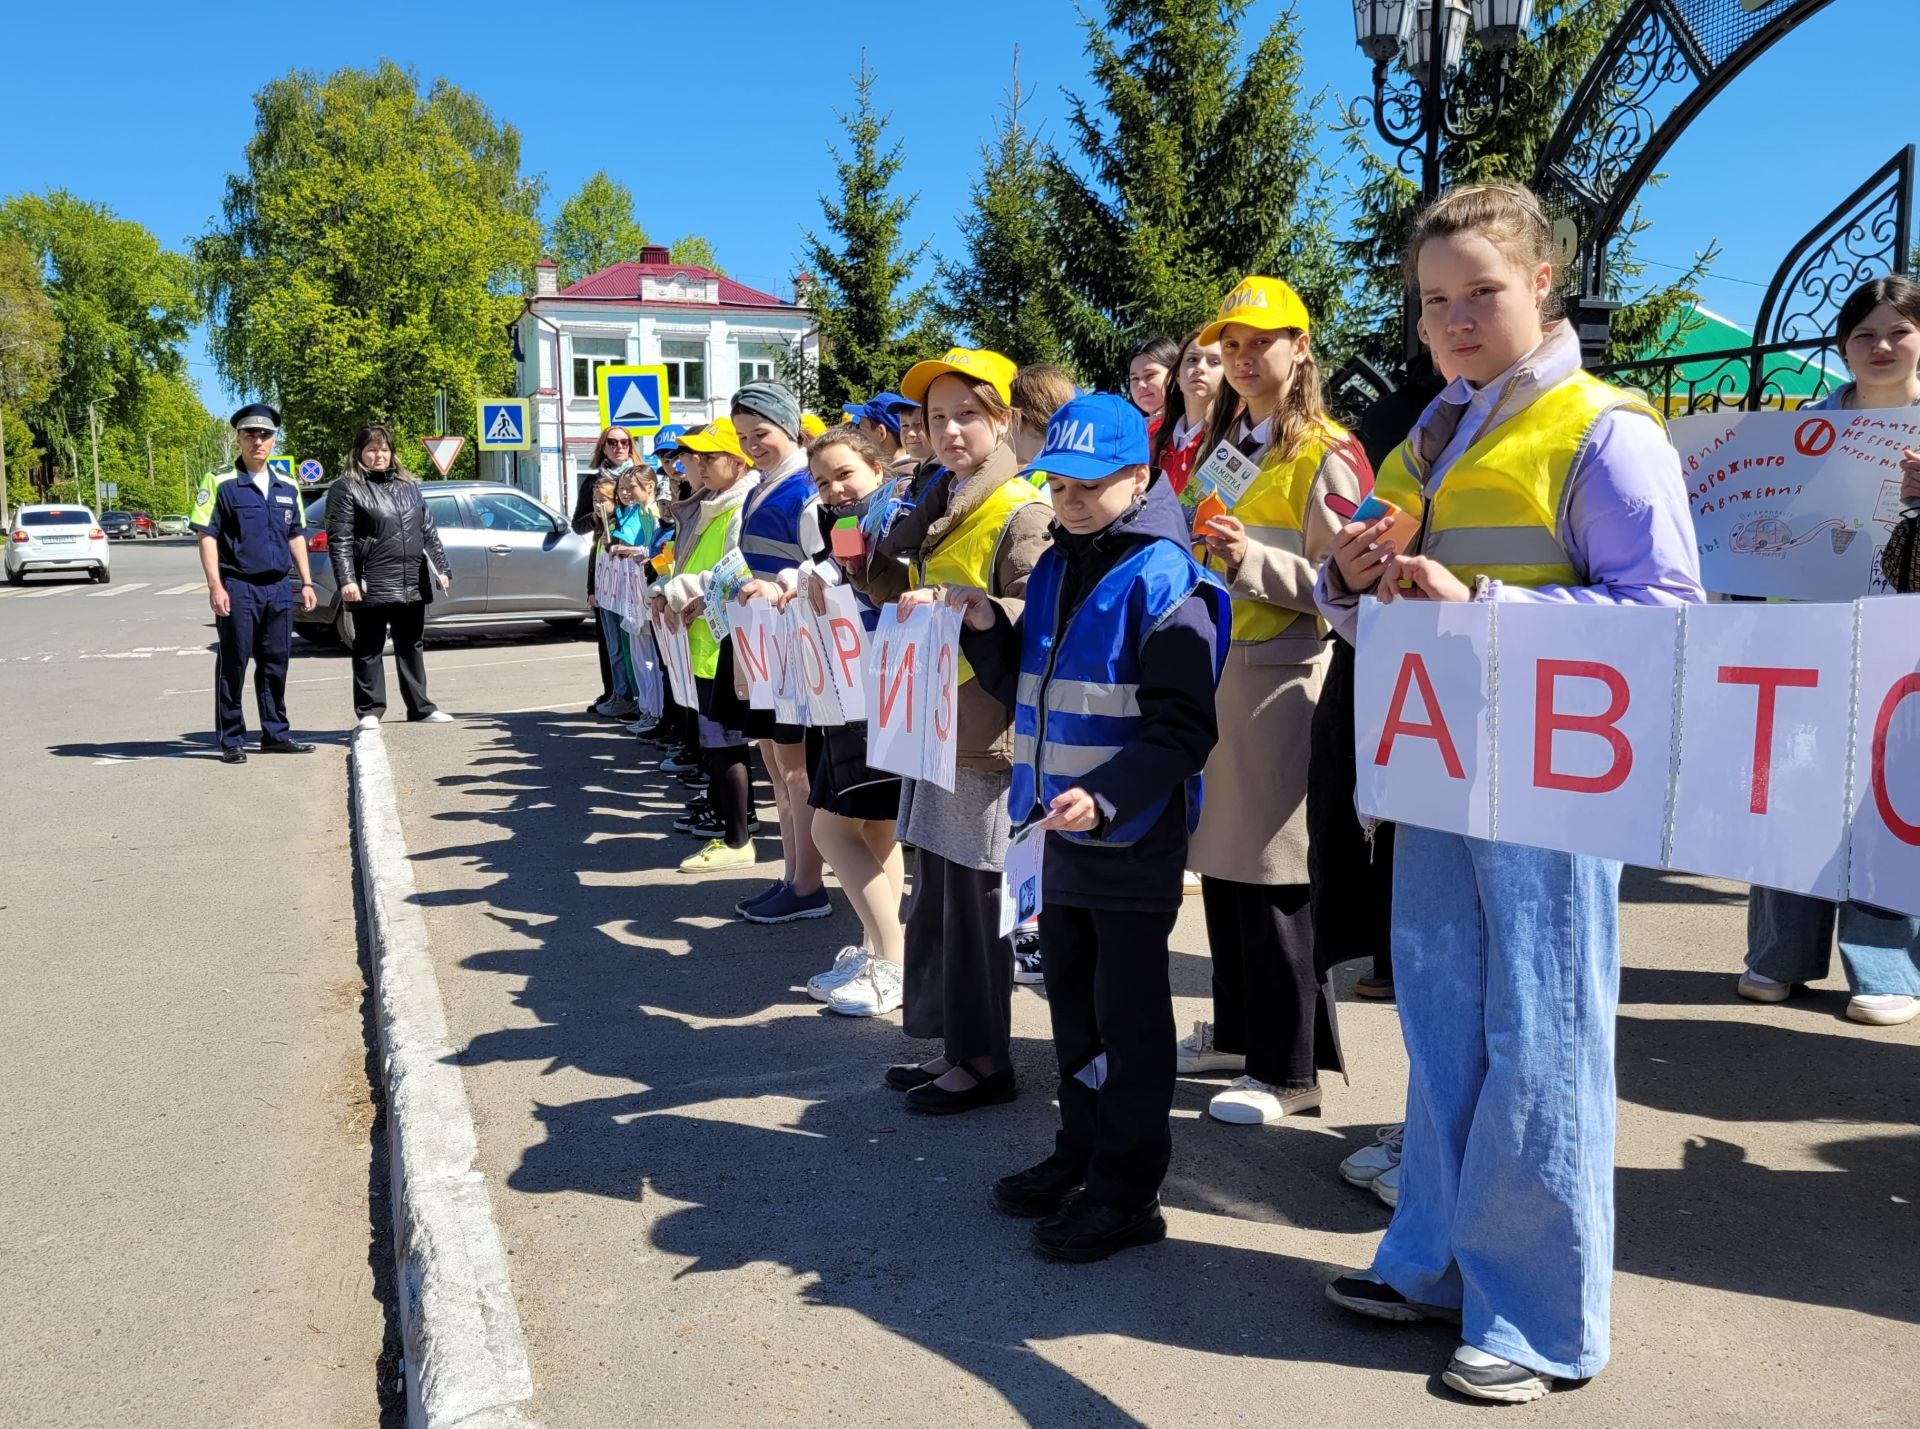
[147, 107]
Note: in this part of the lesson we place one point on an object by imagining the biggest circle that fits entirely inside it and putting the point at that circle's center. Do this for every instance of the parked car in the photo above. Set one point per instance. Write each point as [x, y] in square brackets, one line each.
[514, 562]
[172, 525]
[57, 538]
[129, 525]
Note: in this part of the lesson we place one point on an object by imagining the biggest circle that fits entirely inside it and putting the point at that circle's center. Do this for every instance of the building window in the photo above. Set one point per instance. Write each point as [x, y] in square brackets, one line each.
[590, 354]
[686, 364]
[756, 361]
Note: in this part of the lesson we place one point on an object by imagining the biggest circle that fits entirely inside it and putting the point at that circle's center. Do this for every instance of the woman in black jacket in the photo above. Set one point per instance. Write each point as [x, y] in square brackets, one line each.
[386, 556]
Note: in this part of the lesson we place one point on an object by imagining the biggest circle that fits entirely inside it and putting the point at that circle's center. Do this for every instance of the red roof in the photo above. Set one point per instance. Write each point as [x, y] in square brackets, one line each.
[622, 281]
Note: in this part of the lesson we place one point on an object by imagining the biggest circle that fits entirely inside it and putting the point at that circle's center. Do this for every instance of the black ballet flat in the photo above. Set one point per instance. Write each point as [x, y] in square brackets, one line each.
[994, 1089]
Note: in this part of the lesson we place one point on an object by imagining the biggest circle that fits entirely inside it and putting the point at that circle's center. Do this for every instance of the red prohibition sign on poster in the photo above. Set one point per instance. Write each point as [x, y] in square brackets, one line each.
[1813, 437]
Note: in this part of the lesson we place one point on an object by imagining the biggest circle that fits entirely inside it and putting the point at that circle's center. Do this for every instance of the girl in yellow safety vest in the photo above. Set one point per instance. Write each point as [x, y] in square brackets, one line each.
[1533, 482]
[978, 523]
[1270, 458]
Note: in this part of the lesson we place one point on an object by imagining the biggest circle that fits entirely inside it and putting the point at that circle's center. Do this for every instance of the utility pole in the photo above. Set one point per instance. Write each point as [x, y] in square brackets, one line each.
[3, 474]
[93, 434]
[149, 461]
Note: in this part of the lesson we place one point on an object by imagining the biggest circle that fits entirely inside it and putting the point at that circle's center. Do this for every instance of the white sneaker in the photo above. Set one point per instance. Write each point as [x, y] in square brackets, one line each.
[1483, 1376]
[1757, 987]
[367, 722]
[1387, 1185]
[846, 963]
[1189, 884]
[1367, 1164]
[1194, 1055]
[437, 717]
[1882, 1009]
[1248, 1101]
[878, 988]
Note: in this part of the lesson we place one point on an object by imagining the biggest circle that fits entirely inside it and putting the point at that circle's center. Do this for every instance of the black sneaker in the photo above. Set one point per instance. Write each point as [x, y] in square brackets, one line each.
[1485, 1376]
[1027, 969]
[1366, 1294]
[711, 826]
[700, 811]
[1040, 1190]
[1087, 1230]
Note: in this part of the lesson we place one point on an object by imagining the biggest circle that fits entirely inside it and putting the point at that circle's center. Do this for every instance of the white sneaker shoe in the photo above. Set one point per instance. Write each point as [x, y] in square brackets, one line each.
[878, 988]
[437, 717]
[1387, 1185]
[1883, 1009]
[1194, 1055]
[367, 722]
[1757, 987]
[1189, 884]
[846, 964]
[1367, 1164]
[1248, 1101]
[1483, 1376]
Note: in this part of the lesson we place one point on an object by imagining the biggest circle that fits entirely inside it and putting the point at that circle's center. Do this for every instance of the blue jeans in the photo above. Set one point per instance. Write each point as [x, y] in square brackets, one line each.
[1506, 961]
[615, 636]
[1790, 939]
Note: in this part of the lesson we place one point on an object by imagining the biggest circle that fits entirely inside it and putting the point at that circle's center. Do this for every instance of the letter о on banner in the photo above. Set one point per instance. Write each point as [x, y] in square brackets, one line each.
[1420, 715]
[1885, 846]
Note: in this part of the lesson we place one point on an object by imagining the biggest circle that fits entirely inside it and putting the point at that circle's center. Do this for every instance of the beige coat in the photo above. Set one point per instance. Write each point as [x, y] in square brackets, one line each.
[1253, 826]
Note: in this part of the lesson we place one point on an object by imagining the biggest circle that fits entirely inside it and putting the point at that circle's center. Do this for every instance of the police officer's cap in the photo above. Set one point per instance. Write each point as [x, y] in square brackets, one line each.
[257, 415]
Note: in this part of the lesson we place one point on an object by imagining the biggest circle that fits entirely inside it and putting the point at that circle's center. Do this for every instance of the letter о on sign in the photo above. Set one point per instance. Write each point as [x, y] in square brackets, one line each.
[1068, 435]
[1247, 295]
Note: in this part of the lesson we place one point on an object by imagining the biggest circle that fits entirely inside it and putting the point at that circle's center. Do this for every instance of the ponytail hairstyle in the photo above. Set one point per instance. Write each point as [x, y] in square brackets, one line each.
[1302, 415]
[1163, 438]
[1508, 216]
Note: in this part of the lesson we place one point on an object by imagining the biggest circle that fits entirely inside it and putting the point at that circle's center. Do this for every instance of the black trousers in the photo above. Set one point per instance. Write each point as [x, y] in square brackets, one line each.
[257, 627]
[1352, 880]
[1113, 1032]
[959, 974]
[371, 626]
[1269, 1004]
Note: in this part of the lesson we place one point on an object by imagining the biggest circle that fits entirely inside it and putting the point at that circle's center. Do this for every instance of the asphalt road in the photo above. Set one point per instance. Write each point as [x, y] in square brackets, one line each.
[715, 1214]
[191, 1208]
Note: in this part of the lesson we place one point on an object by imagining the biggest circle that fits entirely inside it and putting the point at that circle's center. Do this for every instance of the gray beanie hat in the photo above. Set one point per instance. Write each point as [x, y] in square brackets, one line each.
[774, 402]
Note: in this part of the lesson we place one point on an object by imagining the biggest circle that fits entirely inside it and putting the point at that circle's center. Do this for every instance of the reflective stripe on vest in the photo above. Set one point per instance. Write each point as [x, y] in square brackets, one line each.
[1078, 702]
[1499, 509]
[1273, 509]
[708, 548]
[770, 524]
[965, 555]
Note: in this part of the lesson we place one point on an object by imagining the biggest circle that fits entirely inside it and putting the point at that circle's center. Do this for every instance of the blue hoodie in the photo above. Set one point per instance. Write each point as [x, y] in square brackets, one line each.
[1177, 677]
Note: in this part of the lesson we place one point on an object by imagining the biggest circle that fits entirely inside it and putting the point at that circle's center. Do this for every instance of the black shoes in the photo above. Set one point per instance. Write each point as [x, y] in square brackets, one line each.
[233, 754]
[908, 1075]
[285, 746]
[994, 1089]
[1087, 1230]
[1366, 1294]
[1040, 1190]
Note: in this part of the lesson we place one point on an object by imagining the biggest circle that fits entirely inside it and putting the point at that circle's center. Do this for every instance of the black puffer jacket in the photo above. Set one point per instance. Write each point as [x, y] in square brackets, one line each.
[377, 532]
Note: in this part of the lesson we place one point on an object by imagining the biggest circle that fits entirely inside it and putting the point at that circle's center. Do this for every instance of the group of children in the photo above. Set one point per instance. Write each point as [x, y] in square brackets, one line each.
[1145, 586]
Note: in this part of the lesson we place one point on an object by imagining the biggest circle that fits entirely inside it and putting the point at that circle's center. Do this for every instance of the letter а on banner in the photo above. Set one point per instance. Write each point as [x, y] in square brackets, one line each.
[1420, 715]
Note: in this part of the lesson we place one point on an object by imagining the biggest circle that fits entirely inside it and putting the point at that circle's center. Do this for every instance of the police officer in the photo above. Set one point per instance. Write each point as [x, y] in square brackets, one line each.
[252, 530]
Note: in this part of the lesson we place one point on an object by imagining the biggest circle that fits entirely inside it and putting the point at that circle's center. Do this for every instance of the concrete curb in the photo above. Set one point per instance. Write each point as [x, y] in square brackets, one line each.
[466, 1360]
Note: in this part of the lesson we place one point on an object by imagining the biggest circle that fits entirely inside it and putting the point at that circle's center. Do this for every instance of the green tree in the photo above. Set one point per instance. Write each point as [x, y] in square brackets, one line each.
[695, 250]
[1194, 168]
[595, 227]
[1008, 294]
[874, 321]
[29, 362]
[369, 256]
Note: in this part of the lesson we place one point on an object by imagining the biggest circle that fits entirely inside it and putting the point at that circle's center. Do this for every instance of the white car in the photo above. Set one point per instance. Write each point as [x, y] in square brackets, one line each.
[57, 538]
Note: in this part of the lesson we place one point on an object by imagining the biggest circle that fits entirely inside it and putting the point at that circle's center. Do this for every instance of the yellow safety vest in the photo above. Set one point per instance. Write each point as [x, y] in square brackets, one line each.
[965, 556]
[1499, 509]
[711, 544]
[1273, 509]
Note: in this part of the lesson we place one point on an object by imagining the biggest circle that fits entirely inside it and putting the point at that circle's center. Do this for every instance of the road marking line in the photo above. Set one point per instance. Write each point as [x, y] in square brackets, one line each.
[47, 590]
[188, 589]
[119, 590]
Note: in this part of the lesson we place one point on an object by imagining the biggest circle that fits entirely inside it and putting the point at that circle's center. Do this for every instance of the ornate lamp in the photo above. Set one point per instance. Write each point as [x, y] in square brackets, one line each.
[1417, 54]
[1501, 23]
[1380, 26]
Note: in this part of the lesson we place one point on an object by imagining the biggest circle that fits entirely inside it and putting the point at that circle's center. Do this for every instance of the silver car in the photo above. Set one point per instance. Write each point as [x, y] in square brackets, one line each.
[515, 562]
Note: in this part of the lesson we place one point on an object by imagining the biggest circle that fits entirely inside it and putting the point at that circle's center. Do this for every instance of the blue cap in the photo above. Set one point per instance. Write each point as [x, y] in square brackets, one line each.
[1092, 437]
[668, 437]
[884, 408]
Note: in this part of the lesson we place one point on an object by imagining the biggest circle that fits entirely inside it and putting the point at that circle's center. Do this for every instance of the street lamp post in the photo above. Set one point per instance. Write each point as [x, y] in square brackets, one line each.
[1426, 38]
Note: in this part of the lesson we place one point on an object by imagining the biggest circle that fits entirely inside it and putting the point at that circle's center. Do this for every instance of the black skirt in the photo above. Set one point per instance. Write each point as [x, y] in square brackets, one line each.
[762, 725]
[845, 784]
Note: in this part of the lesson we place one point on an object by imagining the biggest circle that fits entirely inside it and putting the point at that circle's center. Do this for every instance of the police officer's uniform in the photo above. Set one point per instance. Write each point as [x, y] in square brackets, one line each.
[252, 530]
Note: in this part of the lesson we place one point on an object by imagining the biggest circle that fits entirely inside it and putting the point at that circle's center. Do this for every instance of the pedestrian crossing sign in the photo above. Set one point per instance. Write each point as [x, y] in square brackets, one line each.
[634, 398]
[503, 424]
[281, 466]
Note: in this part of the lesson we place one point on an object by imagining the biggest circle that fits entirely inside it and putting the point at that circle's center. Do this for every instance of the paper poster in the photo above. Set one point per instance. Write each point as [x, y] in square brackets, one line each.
[725, 580]
[808, 637]
[1794, 504]
[844, 639]
[1021, 894]
[912, 694]
[759, 653]
[1884, 850]
[1420, 715]
[676, 657]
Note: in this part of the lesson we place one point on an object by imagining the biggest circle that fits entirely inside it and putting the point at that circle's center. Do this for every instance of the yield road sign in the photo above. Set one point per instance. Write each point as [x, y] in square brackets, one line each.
[310, 470]
[634, 398]
[503, 424]
[443, 450]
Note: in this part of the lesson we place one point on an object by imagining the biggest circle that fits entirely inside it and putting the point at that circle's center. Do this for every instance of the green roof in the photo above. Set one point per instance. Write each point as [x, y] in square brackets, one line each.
[1800, 377]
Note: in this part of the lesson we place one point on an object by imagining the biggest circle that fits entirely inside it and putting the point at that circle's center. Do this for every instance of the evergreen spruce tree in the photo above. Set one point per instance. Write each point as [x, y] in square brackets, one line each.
[874, 320]
[1190, 170]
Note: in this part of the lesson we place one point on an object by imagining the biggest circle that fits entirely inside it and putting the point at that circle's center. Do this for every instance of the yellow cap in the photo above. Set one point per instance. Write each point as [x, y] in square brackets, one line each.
[1264, 303]
[719, 436]
[988, 367]
[810, 425]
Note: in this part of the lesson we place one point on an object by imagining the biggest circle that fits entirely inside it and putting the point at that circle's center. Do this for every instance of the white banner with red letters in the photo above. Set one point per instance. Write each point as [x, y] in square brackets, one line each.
[1774, 744]
[913, 693]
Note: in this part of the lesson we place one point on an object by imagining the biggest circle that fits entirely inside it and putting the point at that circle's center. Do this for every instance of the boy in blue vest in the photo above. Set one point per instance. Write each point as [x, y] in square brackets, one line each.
[1110, 671]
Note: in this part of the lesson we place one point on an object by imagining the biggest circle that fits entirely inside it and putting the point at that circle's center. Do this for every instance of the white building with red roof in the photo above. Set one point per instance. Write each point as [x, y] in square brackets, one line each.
[712, 334]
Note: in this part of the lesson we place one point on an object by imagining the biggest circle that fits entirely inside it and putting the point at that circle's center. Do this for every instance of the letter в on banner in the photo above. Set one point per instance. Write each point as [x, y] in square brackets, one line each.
[1585, 727]
[1885, 849]
[1421, 701]
[1765, 716]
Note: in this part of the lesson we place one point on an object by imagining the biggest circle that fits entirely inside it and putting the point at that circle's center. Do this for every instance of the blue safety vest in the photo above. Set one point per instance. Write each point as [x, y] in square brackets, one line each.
[770, 524]
[1079, 694]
